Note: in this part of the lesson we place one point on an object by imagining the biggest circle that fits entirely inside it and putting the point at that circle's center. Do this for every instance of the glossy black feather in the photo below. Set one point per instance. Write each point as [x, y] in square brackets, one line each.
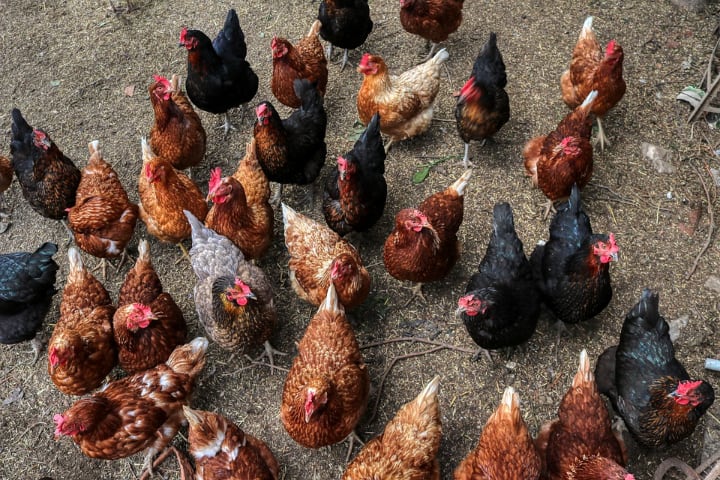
[504, 281]
[489, 68]
[345, 23]
[48, 179]
[26, 290]
[302, 138]
[367, 188]
[573, 284]
[218, 77]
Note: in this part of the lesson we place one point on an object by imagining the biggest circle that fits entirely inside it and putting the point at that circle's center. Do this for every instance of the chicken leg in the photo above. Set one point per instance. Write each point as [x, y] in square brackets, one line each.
[4, 215]
[269, 352]
[227, 126]
[432, 46]
[601, 138]
[352, 438]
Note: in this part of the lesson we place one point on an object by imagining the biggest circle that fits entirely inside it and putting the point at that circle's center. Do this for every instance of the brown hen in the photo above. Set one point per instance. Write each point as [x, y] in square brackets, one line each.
[81, 351]
[291, 62]
[433, 20]
[505, 449]
[138, 412]
[164, 194]
[148, 324]
[241, 210]
[590, 70]
[319, 257]
[405, 101]
[222, 451]
[423, 246]
[582, 429]
[408, 447]
[564, 156]
[326, 390]
[103, 218]
[177, 135]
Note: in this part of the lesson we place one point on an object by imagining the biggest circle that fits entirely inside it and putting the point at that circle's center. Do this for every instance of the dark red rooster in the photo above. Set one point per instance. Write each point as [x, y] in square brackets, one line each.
[292, 150]
[433, 20]
[483, 106]
[646, 384]
[345, 24]
[573, 267]
[219, 78]
[355, 194]
[501, 304]
[48, 178]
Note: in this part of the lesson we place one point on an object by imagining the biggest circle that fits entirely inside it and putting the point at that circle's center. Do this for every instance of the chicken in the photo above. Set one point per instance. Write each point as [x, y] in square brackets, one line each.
[6, 174]
[501, 304]
[148, 324]
[433, 20]
[646, 384]
[82, 350]
[319, 258]
[564, 156]
[139, 412]
[222, 451]
[306, 60]
[573, 267]
[164, 194]
[327, 388]
[218, 76]
[355, 194]
[582, 430]
[483, 106]
[405, 101]
[27, 287]
[345, 24]
[103, 217]
[409, 445]
[292, 150]
[233, 298]
[598, 468]
[48, 178]
[505, 449]
[177, 135]
[241, 210]
[590, 70]
[423, 246]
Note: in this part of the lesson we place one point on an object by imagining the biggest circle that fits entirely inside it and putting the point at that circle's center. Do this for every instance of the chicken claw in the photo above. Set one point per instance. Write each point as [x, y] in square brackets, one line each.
[601, 138]
[185, 254]
[352, 438]
[227, 126]
[269, 352]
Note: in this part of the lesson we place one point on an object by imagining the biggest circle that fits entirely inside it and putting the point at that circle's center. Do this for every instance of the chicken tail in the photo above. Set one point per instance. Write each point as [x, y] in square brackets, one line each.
[147, 153]
[189, 359]
[331, 304]
[440, 57]
[315, 29]
[503, 223]
[42, 266]
[199, 231]
[77, 269]
[143, 251]
[289, 217]
[647, 309]
[589, 99]
[194, 417]
[510, 404]
[584, 375]
[20, 127]
[587, 29]
[94, 147]
[460, 184]
[429, 393]
[175, 83]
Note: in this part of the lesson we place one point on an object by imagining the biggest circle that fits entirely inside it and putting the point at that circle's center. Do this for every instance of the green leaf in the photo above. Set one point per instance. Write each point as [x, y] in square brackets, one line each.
[421, 175]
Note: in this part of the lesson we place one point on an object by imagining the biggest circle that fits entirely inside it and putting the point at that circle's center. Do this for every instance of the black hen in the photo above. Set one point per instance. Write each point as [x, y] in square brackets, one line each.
[48, 178]
[219, 78]
[292, 150]
[501, 304]
[483, 106]
[573, 268]
[355, 194]
[345, 24]
[26, 289]
[646, 384]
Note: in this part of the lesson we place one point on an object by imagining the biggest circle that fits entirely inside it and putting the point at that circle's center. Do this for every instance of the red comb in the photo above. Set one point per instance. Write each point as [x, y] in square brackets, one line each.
[183, 32]
[59, 421]
[687, 386]
[215, 179]
[610, 49]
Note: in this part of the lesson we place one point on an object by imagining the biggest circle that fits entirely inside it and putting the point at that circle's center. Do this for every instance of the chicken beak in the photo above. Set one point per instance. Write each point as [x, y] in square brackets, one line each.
[308, 416]
[614, 256]
[342, 175]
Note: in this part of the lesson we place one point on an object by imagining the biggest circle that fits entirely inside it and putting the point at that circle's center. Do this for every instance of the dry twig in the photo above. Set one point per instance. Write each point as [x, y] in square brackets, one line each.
[711, 227]
[437, 347]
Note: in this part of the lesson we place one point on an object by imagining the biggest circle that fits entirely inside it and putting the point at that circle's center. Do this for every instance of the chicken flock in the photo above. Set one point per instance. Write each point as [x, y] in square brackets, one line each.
[327, 388]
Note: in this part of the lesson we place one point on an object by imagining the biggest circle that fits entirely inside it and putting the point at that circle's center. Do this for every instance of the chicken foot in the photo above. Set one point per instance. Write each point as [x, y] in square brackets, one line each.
[129, 7]
[36, 344]
[227, 126]
[416, 291]
[352, 438]
[432, 46]
[69, 232]
[185, 254]
[269, 352]
[601, 138]
[277, 196]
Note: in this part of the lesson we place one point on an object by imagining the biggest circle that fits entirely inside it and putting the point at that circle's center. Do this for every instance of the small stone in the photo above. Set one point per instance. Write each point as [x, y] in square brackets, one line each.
[676, 327]
[511, 365]
[713, 283]
[658, 157]
[692, 5]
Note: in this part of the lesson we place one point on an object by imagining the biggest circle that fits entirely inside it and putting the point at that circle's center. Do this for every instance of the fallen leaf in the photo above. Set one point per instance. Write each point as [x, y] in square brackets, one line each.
[713, 283]
[690, 226]
[421, 174]
[659, 157]
[14, 396]
[129, 90]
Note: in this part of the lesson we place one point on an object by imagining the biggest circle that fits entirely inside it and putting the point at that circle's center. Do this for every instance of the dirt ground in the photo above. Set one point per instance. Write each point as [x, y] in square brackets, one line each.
[70, 67]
